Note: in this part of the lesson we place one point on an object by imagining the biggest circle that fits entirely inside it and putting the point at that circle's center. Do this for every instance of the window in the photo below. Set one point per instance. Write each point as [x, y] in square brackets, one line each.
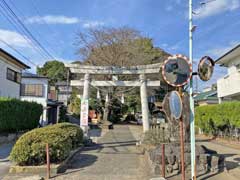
[13, 76]
[35, 90]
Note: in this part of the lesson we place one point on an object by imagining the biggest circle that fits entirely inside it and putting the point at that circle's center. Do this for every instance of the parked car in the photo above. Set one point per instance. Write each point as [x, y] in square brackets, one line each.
[158, 117]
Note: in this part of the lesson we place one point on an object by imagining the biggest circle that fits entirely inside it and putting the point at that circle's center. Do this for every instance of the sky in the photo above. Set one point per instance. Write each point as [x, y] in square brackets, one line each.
[55, 25]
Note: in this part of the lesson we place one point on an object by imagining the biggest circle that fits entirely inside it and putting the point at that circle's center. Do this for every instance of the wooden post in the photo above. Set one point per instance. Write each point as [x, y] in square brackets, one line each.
[163, 160]
[48, 161]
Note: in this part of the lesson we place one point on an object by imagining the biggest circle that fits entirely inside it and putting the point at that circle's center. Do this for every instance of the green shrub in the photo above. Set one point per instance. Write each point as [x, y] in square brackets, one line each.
[62, 138]
[16, 115]
[212, 118]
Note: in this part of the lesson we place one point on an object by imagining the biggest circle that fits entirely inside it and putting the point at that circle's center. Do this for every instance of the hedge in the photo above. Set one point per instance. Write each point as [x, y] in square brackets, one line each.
[17, 115]
[211, 118]
[62, 138]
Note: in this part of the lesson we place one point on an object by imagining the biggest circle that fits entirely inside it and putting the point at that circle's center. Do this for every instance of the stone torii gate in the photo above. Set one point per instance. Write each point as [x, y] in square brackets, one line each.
[140, 70]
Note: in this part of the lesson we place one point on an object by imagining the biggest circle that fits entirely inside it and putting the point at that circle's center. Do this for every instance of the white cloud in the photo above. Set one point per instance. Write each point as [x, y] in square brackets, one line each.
[219, 51]
[216, 7]
[52, 19]
[13, 38]
[92, 24]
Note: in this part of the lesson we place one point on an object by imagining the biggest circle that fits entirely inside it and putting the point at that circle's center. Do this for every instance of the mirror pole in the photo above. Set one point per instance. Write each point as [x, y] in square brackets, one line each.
[192, 126]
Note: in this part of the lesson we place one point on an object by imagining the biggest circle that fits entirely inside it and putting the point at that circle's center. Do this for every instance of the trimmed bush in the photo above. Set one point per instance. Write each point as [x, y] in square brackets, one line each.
[62, 138]
[211, 118]
[16, 115]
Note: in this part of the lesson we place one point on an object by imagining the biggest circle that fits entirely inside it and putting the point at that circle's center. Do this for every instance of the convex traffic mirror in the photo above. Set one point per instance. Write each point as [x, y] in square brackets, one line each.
[175, 104]
[177, 70]
[205, 68]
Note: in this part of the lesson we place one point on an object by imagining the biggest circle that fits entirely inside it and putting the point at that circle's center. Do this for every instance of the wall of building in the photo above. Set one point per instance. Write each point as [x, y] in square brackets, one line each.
[230, 84]
[41, 100]
[8, 88]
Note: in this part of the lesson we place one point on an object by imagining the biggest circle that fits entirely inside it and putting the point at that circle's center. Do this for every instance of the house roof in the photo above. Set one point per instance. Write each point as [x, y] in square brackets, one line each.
[30, 75]
[224, 59]
[209, 95]
[13, 59]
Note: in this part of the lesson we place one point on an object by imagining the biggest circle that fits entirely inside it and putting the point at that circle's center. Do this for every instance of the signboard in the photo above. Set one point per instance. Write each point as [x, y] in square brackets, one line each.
[84, 112]
[175, 104]
[177, 70]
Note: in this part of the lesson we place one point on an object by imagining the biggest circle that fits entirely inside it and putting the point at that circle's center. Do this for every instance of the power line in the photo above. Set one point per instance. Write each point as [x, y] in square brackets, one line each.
[24, 17]
[18, 52]
[26, 29]
[13, 22]
[38, 13]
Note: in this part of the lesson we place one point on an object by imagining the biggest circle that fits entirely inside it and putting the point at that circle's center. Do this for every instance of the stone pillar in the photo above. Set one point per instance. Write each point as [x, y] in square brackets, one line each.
[85, 97]
[144, 103]
[86, 86]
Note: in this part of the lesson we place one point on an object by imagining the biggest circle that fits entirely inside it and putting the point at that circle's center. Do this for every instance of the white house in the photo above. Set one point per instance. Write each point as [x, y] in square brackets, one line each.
[35, 88]
[229, 86]
[10, 74]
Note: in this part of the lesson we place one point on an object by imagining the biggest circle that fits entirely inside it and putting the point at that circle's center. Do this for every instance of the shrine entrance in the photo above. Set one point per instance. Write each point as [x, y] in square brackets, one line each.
[143, 83]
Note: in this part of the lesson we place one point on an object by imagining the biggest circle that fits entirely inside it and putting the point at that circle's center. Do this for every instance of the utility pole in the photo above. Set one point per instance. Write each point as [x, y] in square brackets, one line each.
[192, 124]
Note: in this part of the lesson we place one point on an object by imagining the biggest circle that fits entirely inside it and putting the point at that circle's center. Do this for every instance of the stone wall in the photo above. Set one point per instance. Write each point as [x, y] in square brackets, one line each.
[206, 159]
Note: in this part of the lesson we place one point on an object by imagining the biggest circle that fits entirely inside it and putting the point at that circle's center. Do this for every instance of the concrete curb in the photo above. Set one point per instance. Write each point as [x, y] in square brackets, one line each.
[55, 168]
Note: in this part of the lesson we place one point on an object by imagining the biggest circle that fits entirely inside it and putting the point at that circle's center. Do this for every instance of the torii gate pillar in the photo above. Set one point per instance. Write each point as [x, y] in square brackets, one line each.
[144, 102]
[85, 107]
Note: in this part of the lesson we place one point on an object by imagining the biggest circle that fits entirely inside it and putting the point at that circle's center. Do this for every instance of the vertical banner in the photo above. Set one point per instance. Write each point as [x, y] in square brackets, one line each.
[84, 112]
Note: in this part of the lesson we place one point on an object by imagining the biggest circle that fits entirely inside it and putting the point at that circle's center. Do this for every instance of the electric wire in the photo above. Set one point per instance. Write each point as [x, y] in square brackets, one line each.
[12, 21]
[18, 52]
[27, 30]
[36, 31]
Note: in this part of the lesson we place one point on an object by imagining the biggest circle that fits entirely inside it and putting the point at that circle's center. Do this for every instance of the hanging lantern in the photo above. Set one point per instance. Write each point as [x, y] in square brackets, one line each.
[98, 94]
[122, 99]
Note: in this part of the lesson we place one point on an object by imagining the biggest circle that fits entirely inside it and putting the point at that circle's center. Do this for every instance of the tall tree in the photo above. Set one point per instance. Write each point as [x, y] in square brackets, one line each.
[116, 47]
[54, 70]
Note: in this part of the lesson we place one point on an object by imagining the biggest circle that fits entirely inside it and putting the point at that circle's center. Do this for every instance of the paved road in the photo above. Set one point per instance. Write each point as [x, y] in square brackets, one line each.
[115, 157]
[5, 150]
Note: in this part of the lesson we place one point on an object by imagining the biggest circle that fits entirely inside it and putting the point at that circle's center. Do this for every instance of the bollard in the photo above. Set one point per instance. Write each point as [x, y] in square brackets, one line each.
[48, 161]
